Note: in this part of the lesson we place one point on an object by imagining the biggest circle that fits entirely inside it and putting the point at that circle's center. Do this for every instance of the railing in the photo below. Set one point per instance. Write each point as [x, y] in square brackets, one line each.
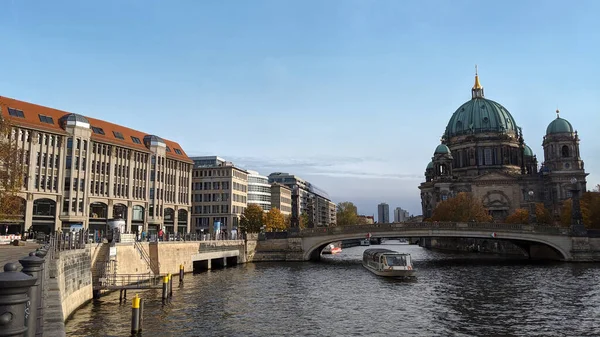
[154, 266]
[458, 226]
[129, 281]
[69, 240]
[196, 237]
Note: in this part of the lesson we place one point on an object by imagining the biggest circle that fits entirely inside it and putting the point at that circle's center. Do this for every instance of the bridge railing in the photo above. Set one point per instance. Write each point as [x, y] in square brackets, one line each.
[459, 226]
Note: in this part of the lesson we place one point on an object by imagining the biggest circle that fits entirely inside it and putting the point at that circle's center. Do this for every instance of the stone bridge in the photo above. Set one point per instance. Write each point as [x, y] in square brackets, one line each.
[539, 241]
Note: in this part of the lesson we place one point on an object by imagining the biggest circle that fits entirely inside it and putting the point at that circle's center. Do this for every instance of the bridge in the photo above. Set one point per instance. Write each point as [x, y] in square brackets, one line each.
[539, 241]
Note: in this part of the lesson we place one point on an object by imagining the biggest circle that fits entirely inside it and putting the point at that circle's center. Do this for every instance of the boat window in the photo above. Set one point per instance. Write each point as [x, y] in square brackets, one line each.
[395, 260]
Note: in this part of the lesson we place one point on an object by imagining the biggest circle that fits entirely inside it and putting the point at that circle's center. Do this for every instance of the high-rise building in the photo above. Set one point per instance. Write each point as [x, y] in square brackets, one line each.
[400, 215]
[383, 213]
[312, 201]
[259, 190]
[84, 171]
[281, 198]
[220, 191]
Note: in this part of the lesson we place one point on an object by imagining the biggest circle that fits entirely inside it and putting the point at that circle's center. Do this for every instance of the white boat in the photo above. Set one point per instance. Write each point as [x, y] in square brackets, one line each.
[385, 262]
[365, 242]
[331, 249]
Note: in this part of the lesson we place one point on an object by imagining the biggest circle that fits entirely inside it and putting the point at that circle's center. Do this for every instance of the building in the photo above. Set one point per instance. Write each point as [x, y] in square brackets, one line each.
[383, 213]
[259, 190]
[220, 192]
[483, 152]
[400, 215]
[83, 171]
[366, 219]
[311, 200]
[281, 198]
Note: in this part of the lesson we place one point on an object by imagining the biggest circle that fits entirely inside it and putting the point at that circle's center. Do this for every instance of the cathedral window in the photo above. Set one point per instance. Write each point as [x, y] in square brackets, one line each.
[488, 156]
[565, 151]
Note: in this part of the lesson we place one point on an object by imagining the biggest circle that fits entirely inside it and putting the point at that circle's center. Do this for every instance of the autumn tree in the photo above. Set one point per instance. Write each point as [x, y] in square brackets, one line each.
[252, 219]
[347, 214]
[461, 208]
[274, 220]
[304, 220]
[11, 172]
[590, 210]
[520, 216]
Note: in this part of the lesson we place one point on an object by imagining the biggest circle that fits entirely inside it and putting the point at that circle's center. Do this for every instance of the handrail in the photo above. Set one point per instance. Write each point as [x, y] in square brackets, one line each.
[154, 266]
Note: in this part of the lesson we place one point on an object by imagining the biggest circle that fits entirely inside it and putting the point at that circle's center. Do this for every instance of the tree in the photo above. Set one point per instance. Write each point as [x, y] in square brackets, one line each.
[274, 220]
[11, 172]
[461, 208]
[252, 219]
[542, 214]
[590, 210]
[347, 214]
[304, 220]
[520, 216]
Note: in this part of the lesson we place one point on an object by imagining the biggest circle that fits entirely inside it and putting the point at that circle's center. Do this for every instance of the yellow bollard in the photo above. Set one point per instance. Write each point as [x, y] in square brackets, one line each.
[181, 271]
[165, 285]
[135, 315]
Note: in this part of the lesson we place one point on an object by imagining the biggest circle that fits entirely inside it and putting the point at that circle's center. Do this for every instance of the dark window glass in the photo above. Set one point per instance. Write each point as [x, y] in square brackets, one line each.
[16, 113]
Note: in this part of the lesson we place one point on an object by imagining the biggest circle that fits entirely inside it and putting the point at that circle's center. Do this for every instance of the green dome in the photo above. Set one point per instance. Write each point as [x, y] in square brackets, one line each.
[528, 152]
[559, 125]
[441, 149]
[480, 115]
[429, 166]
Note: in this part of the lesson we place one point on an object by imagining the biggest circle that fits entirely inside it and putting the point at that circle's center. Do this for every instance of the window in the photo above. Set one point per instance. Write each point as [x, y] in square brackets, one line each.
[168, 149]
[488, 156]
[46, 119]
[118, 135]
[16, 113]
[136, 140]
[565, 151]
[178, 151]
[98, 130]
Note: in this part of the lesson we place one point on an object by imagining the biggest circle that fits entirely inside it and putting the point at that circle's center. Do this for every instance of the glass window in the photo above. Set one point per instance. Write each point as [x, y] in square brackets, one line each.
[118, 135]
[16, 113]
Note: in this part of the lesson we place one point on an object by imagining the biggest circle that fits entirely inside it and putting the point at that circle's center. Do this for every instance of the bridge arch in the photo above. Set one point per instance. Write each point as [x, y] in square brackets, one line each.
[313, 245]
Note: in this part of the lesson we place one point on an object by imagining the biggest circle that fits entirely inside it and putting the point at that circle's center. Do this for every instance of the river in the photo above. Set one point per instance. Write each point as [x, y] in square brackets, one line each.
[453, 295]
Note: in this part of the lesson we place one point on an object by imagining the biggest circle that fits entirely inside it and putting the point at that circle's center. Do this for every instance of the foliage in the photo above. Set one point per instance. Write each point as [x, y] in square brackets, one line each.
[274, 220]
[520, 216]
[347, 214]
[304, 220]
[252, 219]
[590, 210]
[461, 208]
[362, 220]
[542, 214]
[11, 172]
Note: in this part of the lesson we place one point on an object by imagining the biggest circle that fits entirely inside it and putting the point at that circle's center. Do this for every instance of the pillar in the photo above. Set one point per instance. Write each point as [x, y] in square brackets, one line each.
[14, 287]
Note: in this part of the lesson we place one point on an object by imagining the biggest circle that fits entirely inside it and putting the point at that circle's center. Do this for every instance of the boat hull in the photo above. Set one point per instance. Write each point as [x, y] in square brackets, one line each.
[391, 272]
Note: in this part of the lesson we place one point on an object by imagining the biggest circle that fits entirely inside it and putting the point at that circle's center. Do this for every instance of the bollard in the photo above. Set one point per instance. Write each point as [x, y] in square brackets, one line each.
[14, 286]
[135, 315]
[170, 285]
[120, 296]
[181, 271]
[165, 285]
[141, 315]
[39, 331]
[32, 266]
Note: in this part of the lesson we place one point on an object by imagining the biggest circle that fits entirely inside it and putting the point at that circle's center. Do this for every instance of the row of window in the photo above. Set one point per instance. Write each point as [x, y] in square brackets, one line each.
[207, 185]
[44, 159]
[211, 209]
[262, 189]
[240, 187]
[259, 197]
[211, 197]
[239, 198]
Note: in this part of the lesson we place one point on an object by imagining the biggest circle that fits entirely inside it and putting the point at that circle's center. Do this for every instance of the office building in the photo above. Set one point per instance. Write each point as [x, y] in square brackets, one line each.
[281, 198]
[259, 190]
[383, 213]
[83, 171]
[220, 192]
[400, 215]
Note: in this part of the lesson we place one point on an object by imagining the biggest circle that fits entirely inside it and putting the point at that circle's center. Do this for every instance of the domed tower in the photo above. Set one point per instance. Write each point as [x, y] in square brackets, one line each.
[483, 136]
[562, 160]
[442, 163]
[429, 172]
[530, 160]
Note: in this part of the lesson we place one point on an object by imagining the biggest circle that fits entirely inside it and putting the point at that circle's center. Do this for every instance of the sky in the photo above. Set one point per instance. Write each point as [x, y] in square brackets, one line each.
[352, 96]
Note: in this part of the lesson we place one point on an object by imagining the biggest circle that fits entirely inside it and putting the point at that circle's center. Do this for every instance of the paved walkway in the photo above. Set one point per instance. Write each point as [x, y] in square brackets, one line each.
[10, 253]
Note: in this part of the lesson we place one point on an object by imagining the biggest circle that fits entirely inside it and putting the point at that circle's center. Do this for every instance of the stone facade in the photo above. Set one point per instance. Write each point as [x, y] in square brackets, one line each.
[483, 152]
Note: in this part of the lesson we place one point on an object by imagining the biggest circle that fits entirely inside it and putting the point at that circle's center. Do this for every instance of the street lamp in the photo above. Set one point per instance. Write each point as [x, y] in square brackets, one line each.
[577, 226]
[532, 218]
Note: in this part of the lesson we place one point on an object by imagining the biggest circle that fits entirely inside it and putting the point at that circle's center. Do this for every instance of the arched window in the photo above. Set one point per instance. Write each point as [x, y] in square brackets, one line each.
[565, 151]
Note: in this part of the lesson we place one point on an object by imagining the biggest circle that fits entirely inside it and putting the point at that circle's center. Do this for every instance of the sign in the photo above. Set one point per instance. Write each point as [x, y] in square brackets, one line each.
[112, 251]
[76, 227]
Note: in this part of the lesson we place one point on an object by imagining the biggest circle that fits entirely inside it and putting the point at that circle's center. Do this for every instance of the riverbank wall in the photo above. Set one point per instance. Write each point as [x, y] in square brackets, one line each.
[473, 245]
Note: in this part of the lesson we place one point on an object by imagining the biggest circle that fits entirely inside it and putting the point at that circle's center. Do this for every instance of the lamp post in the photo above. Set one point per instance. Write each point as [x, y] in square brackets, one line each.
[532, 218]
[577, 226]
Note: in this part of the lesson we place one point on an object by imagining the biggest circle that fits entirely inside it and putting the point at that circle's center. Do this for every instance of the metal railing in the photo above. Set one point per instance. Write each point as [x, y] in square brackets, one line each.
[153, 265]
[69, 240]
[129, 281]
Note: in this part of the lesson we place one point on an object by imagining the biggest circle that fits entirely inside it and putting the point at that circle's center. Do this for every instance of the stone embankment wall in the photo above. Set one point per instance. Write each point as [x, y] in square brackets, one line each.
[473, 245]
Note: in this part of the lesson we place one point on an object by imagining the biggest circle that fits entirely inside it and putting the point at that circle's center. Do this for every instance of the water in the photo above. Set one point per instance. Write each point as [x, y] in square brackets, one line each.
[453, 295]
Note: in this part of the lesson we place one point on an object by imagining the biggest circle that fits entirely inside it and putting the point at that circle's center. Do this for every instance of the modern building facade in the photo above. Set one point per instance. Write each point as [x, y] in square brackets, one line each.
[220, 193]
[383, 213]
[83, 171]
[366, 219]
[281, 198]
[311, 200]
[483, 152]
[259, 190]
[400, 215]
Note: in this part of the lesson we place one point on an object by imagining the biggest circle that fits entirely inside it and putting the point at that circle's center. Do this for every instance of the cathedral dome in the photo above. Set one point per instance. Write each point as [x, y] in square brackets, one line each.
[559, 125]
[429, 166]
[441, 149]
[480, 115]
[528, 151]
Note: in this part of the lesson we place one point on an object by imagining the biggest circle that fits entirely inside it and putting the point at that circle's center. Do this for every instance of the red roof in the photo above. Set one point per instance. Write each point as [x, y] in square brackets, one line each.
[31, 119]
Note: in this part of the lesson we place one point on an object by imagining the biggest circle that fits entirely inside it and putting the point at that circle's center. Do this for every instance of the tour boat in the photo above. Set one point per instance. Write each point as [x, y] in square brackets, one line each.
[365, 242]
[385, 262]
[331, 249]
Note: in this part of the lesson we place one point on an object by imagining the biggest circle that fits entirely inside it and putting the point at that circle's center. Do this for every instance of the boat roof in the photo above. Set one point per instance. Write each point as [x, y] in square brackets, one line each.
[372, 251]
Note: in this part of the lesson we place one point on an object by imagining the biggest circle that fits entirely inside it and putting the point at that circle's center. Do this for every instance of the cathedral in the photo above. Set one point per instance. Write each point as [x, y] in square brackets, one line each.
[483, 152]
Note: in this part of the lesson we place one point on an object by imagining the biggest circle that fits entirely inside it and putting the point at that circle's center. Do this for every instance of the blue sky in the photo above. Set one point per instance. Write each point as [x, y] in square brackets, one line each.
[350, 95]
